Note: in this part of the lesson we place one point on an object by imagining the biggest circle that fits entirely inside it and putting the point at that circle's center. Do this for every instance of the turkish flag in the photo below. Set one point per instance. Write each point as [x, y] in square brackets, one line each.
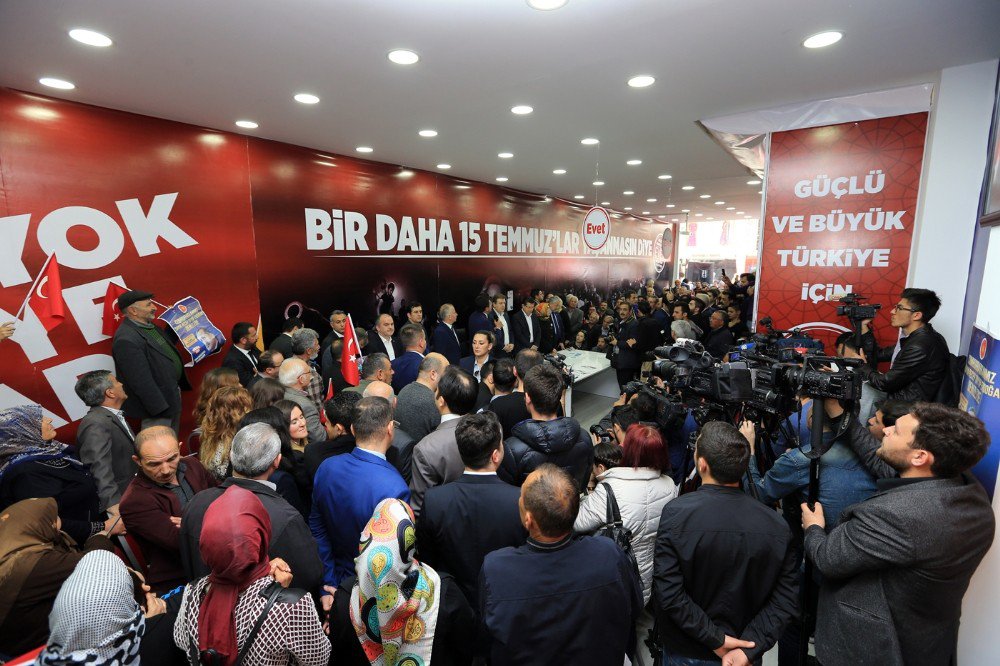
[350, 356]
[46, 300]
[112, 315]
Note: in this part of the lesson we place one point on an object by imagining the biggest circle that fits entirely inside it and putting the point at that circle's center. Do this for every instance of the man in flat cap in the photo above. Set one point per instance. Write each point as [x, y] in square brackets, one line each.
[148, 364]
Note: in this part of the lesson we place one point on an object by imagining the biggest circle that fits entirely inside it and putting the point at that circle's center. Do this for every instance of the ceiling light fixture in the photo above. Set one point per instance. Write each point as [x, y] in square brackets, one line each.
[688, 187]
[628, 193]
[364, 149]
[403, 57]
[650, 200]
[641, 81]
[605, 203]
[821, 39]
[546, 5]
[521, 110]
[577, 196]
[56, 83]
[502, 179]
[589, 141]
[90, 37]
[645, 212]
[559, 172]
[443, 166]
[634, 162]
[598, 183]
[505, 156]
[247, 124]
[753, 182]
[720, 203]
[306, 98]
[628, 208]
[698, 214]
[685, 210]
[428, 133]
[664, 176]
[705, 196]
[670, 206]
[674, 219]
[730, 207]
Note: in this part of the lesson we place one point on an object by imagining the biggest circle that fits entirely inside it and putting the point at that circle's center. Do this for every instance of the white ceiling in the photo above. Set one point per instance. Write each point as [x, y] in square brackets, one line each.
[211, 62]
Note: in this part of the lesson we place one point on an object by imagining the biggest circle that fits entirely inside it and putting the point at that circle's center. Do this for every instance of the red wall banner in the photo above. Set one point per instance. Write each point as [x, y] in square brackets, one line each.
[180, 210]
[839, 214]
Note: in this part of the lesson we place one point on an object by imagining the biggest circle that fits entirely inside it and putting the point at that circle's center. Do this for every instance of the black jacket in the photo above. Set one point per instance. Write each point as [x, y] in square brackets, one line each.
[519, 331]
[291, 539]
[561, 441]
[650, 335]
[918, 370]
[724, 565]
[628, 357]
[149, 373]
[717, 341]
[243, 366]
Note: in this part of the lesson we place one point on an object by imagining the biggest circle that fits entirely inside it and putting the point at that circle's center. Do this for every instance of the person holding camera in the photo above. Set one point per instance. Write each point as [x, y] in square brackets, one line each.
[897, 566]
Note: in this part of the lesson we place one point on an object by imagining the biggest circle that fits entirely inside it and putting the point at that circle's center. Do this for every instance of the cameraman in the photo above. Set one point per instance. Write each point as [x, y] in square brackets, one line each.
[919, 368]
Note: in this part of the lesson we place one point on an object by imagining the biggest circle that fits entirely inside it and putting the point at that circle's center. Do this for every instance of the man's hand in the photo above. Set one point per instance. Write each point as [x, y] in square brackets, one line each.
[534, 347]
[154, 605]
[326, 601]
[735, 658]
[631, 342]
[621, 401]
[730, 643]
[833, 408]
[281, 572]
[176, 520]
[748, 430]
[509, 347]
[814, 517]
[6, 330]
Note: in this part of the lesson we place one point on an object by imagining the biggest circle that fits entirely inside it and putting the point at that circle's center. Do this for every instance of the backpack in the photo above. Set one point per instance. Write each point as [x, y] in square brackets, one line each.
[615, 529]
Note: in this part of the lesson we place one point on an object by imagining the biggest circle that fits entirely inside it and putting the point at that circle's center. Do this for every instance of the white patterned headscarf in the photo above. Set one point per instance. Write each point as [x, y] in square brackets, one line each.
[95, 619]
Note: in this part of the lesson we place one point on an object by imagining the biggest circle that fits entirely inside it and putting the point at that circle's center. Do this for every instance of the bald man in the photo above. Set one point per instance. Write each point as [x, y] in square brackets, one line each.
[154, 500]
[558, 599]
[416, 407]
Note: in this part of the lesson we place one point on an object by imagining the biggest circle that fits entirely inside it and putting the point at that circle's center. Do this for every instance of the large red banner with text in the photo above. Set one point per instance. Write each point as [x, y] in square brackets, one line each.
[839, 215]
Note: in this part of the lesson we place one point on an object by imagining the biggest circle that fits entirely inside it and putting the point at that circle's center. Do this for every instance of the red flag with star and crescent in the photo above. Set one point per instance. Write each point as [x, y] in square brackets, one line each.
[46, 300]
[350, 357]
[112, 315]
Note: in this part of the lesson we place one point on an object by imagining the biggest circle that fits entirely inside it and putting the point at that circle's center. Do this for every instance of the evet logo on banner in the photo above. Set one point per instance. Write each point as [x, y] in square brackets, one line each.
[596, 228]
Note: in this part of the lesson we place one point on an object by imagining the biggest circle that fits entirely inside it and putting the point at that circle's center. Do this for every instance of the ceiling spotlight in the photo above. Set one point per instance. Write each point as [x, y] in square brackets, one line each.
[688, 187]
[739, 212]
[662, 217]
[705, 196]
[329, 164]
[428, 133]
[730, 207]
[650, 200]
[577, 196]
[821, 39]
[502, 179]
[306, 98]
[685, 210]
[645, 212]
[56, 83]
[710, 218]
[634, 162]
[403, 57]
[605, 203]
[90, 38]
[641, 81]
[247, 124]
[664, 176]
[674, 219]
[697, 214]
[443, 166]
[760, 191]
[670, 206]
[720, 203]
[505, 156]
[628, 207]
[753, 182]
[598, 183]
[521, 110]
[589, 142]
[559, 172]
[628, 193]
[546, 5]
[364, 149]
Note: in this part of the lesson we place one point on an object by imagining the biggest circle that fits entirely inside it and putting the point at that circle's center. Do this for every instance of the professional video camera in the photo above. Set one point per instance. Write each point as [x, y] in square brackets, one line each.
[854, 310]
[686, 367]
[783, 346]
[559, 363]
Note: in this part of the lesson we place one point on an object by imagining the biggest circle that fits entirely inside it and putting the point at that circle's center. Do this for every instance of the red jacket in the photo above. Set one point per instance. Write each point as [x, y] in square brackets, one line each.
[146, 508]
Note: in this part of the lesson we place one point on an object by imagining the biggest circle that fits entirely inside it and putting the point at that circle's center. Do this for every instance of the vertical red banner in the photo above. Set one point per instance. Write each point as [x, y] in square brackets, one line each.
[839, 215]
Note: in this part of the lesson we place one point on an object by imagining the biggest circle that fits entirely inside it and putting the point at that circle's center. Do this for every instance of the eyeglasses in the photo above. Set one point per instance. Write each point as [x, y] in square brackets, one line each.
[898, 306]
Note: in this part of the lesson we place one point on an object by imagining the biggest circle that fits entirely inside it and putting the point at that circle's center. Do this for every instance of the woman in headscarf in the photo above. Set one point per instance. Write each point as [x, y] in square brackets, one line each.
[101, 589]
[34, 464]
[218, 611]
[398, 610]
[35, 559]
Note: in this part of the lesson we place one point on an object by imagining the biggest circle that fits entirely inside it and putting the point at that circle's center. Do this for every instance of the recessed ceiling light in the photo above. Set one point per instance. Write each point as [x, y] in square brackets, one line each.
[698, 215]
[56, 83]
[90, 37]
[306, 98]
[753, 182]
[705, 196]
[650, 200]
[428, 133]
[709, 218]
[443, 166]
[688, 187]
[821, 39]
[730, 207]
[634, 162]
[720, 203]
[546, 5]
[628, 207]
[685, 210]
[502, 179]
[628, 193]
[330, 164]
[364, 149]
[598, 183]
[589, 141]
[405, 173]
[739, 212]
[645, 212]
[577, 196]
[505, 156]
[664, 176]
[247, 124]
[605, 203]
[521, 110]
[641, 81]
[403, 57]
[662, 217]
[559, 172]
[670, 205]
[674, 219]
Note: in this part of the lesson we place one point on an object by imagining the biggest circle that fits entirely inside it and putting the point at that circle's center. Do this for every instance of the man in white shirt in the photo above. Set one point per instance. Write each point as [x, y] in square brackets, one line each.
[501, 328]
[383, 340]
[526, 329]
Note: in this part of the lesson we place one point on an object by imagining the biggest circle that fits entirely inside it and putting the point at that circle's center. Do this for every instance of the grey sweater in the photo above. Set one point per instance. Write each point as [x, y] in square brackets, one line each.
[417, 411]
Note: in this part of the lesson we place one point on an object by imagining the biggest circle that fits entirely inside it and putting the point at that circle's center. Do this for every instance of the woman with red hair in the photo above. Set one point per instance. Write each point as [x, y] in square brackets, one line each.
[641, 488]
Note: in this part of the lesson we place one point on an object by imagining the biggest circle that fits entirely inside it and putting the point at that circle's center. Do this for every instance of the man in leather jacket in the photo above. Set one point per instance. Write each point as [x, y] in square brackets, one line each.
[921, 365]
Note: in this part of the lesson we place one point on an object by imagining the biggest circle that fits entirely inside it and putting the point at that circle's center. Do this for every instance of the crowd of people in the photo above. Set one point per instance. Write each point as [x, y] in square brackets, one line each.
[444, 510]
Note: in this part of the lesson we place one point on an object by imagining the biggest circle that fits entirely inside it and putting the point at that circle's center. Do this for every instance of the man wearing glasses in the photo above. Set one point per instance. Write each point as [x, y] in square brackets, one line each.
[919, 367]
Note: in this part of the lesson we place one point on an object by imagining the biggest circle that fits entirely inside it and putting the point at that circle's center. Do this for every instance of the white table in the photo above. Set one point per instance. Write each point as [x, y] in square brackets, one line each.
[593, 374]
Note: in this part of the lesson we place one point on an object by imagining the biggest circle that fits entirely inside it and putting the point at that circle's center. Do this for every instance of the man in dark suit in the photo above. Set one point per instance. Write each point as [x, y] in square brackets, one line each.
[482, 348]
[560, 324]
[283, 343]
[465, 519]
[480, 319]
[445, 340]
[510, 408]
[242, 356]
[504, 345]
[147, 364]
[256, 454]
[406, 366]
[383, 342]
[525, 328]
[897, 565]
[104, 438]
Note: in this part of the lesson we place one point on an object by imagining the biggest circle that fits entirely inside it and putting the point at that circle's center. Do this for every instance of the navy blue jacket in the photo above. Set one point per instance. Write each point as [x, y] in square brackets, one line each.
[405, 369]
[479, 322]
[446, 343]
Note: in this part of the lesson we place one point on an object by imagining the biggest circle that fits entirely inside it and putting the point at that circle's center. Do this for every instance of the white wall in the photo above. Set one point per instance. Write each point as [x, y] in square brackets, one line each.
[954, 164]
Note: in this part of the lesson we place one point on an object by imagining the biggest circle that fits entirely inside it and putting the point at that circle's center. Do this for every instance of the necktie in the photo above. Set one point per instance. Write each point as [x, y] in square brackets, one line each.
[121, 420]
